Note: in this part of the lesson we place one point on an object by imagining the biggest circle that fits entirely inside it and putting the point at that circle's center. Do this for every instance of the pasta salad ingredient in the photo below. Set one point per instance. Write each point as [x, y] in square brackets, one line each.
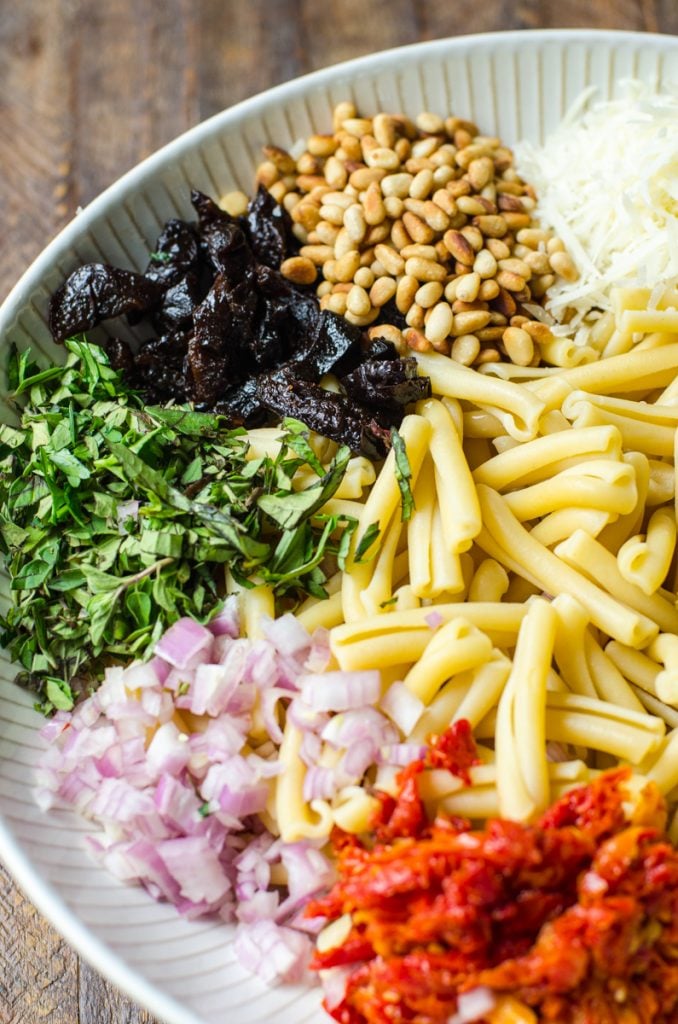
[607, 185]
[232, 335]
[181, 764]
[573, 917]
[423, 224]
[116, 517]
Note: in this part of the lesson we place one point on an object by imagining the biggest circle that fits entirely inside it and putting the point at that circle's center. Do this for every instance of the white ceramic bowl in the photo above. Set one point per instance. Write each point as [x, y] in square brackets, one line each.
[515, 85]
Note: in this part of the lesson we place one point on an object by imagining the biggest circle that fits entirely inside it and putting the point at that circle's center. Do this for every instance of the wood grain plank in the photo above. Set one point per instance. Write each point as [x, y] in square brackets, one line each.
[100, 1003]
[38, 971]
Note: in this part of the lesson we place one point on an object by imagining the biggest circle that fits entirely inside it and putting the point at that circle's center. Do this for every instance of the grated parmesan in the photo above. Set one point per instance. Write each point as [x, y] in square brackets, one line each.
[607, 182]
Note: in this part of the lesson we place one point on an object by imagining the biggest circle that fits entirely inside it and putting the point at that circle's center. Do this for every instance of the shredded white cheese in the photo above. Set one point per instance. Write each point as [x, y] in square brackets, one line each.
[607, 184]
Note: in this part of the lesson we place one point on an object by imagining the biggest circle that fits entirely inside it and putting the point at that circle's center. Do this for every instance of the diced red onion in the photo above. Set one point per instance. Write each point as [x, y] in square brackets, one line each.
[185, 644]
[434, 619]
[344, 730]
[177, 804]
[160, 667]
[126, 510]
[287, 635]
[320, 783]
[473, 1005]
[195, 867]
[359, 757]
[168, 751]
[227, 621]
[402, 707]
[340, 691]
[272, 952]
[320, 654]
[268, 703]
[261, 906]
[401, 754]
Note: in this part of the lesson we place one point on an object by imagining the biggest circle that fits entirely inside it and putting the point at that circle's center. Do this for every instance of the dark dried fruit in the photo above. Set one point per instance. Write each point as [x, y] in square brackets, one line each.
[269, 229]
[177, 252]
[387, 385]
[326, 412]
[97, 292]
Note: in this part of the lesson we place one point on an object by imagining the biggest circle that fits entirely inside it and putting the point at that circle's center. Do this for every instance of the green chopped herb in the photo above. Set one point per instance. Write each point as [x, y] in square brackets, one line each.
[204, 810]
[116, 519]
[403, 474]
[365, 543]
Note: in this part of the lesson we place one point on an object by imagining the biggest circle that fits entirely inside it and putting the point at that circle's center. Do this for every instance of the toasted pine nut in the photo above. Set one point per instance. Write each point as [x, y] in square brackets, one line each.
[324, 288]
[471, 322]
[373, 205]
[538, 262]
[333, 214]
[415, 340]
[397, 185]
[326, 233]
[531, 237]
[488, 290]
[377, 233]
[383, 157]
[382, 291]
[299, 269]
[354, 222]
[465, 349]
[459, 247]
[511, 282]
[343, 243]
[563, 264]
[318, 254]
[425, 270]
[499, 249]
[234, 203]
[346, 267]
[435, 217]
[480, 171]
[485, 264]
[473, 236]
[358, 301]
[405, 292]
[417, 229]
[439, 324]
[357, 126]
[422, 184]
[538, 331]
[519, 346]
[321, 145]
[267, 174]
[471, 206]
[362, 321]
[429, 123]
[442, 175]
[390, 259]
[308, 182]
[490, 333]
[488, 355]
[422, 148]
[363, 177]
[336, 302]
[390, 333]
[394, 207]
[383, 127]
[415, 316]
[515, 221]
[493, 225]
[429, 294]
[426, 252]
[468, 287]
[516, 266]
[364, 276]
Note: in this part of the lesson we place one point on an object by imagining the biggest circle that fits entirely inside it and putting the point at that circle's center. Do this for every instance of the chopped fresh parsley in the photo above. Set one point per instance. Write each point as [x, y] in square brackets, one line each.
[117, 518]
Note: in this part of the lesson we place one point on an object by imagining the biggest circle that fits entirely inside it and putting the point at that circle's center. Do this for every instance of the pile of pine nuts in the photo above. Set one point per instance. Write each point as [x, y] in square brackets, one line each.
[428, 215]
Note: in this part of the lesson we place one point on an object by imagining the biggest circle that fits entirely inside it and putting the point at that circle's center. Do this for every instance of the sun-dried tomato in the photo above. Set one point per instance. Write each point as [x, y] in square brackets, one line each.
[576, 916]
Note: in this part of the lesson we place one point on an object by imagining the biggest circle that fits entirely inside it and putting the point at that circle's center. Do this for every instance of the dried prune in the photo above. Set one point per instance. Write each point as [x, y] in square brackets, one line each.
[242, 406]
[160, 367]
[177, 251]
[388, 385]
[269, 229]
[336, 347]
[121, 357]
[326, 412]
[96, 292]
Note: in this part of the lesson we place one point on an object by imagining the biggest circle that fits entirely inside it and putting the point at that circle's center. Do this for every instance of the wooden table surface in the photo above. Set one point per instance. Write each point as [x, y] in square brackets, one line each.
[87, 90]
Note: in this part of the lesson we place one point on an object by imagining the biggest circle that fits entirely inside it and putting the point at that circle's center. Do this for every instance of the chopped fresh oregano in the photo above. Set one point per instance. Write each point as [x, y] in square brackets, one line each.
[116, 518]
[403, 474]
